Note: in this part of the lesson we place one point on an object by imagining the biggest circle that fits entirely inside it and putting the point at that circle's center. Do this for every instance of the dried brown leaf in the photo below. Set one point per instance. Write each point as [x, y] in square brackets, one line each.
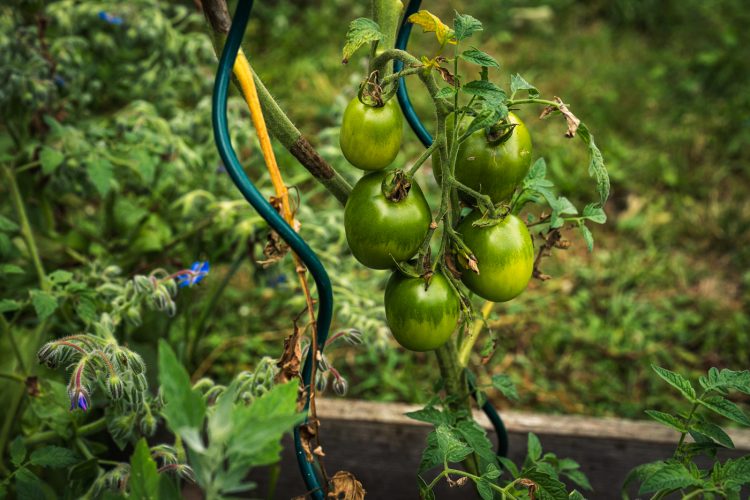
[573, 121]
[344, 486]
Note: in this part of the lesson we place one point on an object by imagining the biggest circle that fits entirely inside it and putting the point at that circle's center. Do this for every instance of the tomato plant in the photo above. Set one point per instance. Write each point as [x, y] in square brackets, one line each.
[370, 135]
[422, 315]
[386, 219]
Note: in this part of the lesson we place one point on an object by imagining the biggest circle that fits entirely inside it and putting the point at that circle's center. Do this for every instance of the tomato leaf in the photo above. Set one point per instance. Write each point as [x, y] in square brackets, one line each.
[53, 456]
[50, 159]
[361, 31]
[476, 56]
[726, 408]
[100, 174]
[668, 420]
[597, 169]
[429, 22]
[44, 303]
[486, 90]
[504, 384]
[464, 26]
[713, 432]
[517, 83]
[677, 381]
[668, 476]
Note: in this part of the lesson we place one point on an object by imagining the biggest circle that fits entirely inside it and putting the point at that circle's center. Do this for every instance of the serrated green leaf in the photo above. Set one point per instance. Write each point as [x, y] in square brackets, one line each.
[485, 90]
[669, 476]
[7, 225]
[508, 465]
[450, 446]
[464, 26]
[361, 31]
[667, 419]
[492, 472]
[725, 408]
[60, 276]
[576, 495]
[476, 56]
[50, 159]
[588, 237]
[428, 414]
[10, 269]
[476, 437]
[517, 82]
[28, 485]
[533, 447]
[505, 385]
[144, 477]
[445, 92]
[677, 381]
[100, 173]
[17, 451]
[548, 488]
[485, 489]
[53, 456]
[44, 303]
[431, 456]
[594, 213]
[485, 118]
[579, 478]
[86, 309]
[7, 305]
[597, 169]
[184, 408]
[714, 432]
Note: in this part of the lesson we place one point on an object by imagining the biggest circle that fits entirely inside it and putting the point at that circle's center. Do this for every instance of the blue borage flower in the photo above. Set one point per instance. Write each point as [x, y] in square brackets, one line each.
[194, 275]
[79, 399]
[109, 18]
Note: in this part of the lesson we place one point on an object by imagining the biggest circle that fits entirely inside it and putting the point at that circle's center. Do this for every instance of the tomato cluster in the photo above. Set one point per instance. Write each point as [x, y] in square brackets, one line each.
[387, 220]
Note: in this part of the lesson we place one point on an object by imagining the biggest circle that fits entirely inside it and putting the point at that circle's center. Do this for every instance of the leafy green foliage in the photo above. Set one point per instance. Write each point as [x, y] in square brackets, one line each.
[681, 473]
[361, 31]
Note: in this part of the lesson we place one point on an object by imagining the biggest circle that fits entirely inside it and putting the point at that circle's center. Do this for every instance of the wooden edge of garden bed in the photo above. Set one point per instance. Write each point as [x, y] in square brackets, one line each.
[519, 422]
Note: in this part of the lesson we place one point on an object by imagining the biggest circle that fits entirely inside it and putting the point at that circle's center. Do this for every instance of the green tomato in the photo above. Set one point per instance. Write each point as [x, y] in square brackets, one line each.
[381, 232]
[421, 318]
[505, 256]
[492, 167]
[371, 137]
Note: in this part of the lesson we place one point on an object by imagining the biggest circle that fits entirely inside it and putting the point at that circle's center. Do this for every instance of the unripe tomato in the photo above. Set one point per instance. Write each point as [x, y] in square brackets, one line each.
[505, 256]
[381, 232]
[492, 167]
[421, 318]
[371, 137]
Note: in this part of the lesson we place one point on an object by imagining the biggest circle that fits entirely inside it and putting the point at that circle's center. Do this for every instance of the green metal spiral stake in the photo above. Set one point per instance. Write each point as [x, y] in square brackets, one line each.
[272, 217]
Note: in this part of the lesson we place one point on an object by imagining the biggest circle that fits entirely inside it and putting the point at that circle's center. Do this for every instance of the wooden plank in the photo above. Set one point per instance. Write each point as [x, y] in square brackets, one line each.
[383, 448]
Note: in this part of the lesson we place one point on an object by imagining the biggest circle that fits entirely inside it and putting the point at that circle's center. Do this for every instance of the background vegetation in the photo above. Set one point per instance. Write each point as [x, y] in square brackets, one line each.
[106, 127]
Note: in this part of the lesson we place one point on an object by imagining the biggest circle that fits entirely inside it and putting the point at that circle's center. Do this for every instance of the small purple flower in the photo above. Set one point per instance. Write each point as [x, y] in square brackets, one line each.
[79, 399]
[109, 18]
[194, 275]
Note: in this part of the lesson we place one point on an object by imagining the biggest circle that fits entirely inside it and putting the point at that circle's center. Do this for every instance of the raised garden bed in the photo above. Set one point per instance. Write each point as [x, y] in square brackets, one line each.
[382, 447]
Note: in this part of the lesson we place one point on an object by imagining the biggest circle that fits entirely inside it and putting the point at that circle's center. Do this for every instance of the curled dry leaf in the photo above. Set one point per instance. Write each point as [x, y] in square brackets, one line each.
[573, 121]
[275, 250]
[308, 433]
[291, 358]
[450, 264]
[446, 75]
[344, 486]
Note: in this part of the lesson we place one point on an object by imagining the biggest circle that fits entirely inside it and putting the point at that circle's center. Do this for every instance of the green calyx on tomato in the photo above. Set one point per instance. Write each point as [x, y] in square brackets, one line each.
[421, 317]
[505, 257]
[370, 136]
[386, 219]
[492, 161]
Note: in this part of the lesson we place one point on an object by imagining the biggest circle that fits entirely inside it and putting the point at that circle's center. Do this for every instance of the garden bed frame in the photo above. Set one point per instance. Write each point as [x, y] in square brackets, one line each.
[382, 447]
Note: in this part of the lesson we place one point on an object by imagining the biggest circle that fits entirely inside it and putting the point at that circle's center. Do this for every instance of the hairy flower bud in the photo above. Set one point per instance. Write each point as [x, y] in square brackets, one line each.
[115, 387]
[143, 284]
[340, 385]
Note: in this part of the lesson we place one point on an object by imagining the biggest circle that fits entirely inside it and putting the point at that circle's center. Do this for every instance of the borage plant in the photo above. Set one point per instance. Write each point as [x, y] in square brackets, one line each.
[493, 203]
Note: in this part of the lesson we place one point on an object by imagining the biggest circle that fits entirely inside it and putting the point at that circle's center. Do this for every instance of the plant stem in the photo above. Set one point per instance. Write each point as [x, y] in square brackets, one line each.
[464, 351]
[84, 430]
[14, 377]
[8, 331]
[422, 158]
[688, 421]
[279, 124]
[533, 101]
[26, 231]
[387, 13]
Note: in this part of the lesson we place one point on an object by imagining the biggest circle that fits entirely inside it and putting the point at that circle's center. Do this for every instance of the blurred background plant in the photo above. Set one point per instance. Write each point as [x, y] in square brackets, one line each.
[110, 171]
